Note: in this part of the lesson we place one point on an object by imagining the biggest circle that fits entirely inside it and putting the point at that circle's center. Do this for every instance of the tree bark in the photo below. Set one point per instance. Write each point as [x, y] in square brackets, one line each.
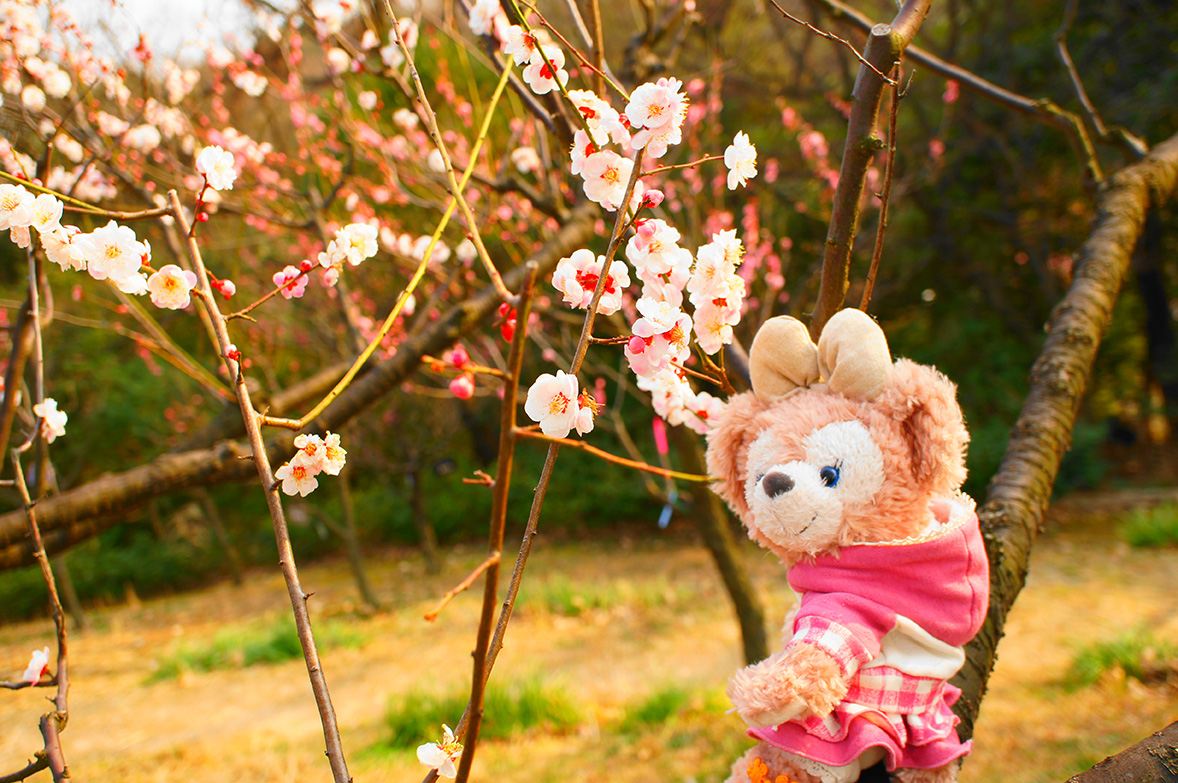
[80, 513]
[885, 46]
[1019, 493]
[712, 521]
[1153, 760]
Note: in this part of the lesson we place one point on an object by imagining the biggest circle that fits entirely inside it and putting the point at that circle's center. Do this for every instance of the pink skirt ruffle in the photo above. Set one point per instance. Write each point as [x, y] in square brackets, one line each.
[923, 740]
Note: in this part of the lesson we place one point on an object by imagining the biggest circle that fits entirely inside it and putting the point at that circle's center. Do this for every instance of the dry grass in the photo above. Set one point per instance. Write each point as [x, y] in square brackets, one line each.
[645, 654]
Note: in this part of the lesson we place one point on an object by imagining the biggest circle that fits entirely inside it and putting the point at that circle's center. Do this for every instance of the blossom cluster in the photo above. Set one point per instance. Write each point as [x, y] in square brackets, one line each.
[315, 455]
[111, 252]
[54, 419]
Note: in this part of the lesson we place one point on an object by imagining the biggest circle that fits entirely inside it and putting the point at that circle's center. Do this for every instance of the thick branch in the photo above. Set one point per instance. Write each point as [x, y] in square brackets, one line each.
[1018, 495]
[1153, 760]
[80, 513]
[884, 47]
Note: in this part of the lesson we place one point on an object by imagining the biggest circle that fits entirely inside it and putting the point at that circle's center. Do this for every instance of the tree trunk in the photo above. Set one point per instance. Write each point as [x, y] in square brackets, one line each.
[712, 521]
[217, 526]
[425, 529]
[1020, 491]
[352, 542]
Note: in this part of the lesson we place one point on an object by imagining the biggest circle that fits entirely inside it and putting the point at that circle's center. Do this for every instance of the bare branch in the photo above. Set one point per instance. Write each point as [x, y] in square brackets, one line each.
[1042, 109]
[885, 46]
[1133, 146]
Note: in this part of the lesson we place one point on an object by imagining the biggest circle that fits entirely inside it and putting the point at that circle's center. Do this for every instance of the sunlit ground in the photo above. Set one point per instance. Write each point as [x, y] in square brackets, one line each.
[636, 636]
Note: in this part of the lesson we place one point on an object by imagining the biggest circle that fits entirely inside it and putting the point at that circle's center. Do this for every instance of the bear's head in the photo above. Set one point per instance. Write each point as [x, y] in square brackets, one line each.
[835, 444]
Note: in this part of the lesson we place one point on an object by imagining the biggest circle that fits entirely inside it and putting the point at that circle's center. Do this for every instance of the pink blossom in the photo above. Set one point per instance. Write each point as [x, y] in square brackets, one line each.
[576, 277]
[462, 387]
[552, 402]
[741, 160]
[297, 479]
[542, 77]
[171, 287]
[38, 666]
[55, 420]
[606, 174]
[292, 281]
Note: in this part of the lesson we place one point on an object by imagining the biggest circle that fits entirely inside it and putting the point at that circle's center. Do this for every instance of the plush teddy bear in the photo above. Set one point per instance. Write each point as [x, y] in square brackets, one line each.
[848, 468]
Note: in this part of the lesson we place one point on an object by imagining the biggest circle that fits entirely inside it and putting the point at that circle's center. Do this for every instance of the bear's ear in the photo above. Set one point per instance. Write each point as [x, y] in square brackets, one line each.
[728, 444]
[925, 403]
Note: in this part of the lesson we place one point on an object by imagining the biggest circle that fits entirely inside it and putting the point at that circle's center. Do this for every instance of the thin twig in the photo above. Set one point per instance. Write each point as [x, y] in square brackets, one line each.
[298, 424]
[435, 133]
[252, 420]
[524, 432]
[492, 559]
[889, 166]
[40, 762]
[832, 37]
[498, 524]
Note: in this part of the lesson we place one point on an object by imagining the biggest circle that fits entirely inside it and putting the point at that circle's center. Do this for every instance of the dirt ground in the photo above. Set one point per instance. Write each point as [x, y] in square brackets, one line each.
[668, 623]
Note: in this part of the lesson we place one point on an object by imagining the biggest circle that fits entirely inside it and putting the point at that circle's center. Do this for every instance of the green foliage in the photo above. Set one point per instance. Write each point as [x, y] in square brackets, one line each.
[105, 568]
[656, 709]
[1129, 652]
[238, 648]
[1156, 526]
[417, 716]
[557, 594]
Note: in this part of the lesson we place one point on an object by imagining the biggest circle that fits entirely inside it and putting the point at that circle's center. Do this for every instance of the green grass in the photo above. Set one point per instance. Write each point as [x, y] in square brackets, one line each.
[237, 648]
[417, 716]
[658, 708]
[1152, 527]
[1131, 653]
[557, 594]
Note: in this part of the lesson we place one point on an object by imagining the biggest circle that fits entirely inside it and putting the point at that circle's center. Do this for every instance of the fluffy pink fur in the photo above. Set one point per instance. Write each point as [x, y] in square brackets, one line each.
[799, 675]
[915, 421]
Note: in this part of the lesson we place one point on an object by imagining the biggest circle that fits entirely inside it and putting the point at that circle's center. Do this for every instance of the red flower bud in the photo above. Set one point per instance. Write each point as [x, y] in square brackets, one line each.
[202, 217]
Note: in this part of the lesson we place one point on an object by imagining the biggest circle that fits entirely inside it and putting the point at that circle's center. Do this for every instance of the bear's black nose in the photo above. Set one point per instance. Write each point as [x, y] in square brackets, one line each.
[776, 484]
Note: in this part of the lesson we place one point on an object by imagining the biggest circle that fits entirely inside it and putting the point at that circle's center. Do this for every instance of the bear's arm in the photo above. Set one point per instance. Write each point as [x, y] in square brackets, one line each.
[848, 628]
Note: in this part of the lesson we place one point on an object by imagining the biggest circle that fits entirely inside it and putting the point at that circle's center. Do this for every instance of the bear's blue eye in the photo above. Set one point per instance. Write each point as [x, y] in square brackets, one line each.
[829, 475]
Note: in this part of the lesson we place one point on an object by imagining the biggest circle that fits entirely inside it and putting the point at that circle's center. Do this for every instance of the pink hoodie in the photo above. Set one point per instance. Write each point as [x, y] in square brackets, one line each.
[895, 616]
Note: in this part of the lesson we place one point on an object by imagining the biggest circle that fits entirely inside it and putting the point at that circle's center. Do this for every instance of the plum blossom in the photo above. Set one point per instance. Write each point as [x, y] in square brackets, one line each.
[661, 336]
[391, 54]
[38, 666]
[54, 419]
[338, 60]
[217, 166]
[441, 756]
[606, 174]
[357, 242]
[62, 250]
[520, 44]
[171, 287]
[741, 160]
[297, 479]
[251, 83]
[583, 147]
[658, 110]
[367, 100]
[113, 252]
[487, 18]
[525, 159]
[552, 402]
[462, 386]
[33, 97]
[540, 76]
[334, 456]
[46, 212]
[576, 277]
[604, 121]
[292, 281]
[16, 207]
